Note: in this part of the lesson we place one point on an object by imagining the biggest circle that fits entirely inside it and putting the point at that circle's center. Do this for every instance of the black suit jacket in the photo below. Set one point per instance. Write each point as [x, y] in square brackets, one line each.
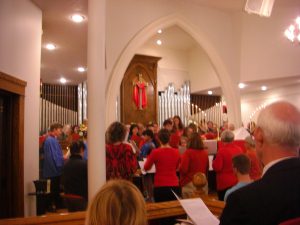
[75, 177]
[270, 200]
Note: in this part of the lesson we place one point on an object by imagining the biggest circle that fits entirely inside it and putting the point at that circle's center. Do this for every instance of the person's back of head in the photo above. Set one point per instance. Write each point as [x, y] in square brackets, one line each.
[196, 142]
[118, 202]
[77, 147]
[116, 132]
[148, 133]
[241, 163]
[164, 136]
[249, 143]
[227, 136]
[280, 123]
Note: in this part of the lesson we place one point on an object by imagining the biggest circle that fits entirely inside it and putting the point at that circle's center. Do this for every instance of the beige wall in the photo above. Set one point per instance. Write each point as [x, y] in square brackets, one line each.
[20, 56]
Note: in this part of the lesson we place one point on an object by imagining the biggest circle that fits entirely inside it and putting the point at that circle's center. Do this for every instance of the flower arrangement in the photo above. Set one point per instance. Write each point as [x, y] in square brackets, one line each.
[82, 130]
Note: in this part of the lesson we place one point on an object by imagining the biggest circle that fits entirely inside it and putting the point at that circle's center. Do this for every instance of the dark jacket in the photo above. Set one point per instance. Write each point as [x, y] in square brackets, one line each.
[75, 176]
[273, 199]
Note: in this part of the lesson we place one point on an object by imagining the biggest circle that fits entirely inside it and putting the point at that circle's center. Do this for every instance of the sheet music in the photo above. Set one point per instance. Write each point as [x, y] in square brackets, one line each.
[197, 211]
[210, 162]
[142, 163]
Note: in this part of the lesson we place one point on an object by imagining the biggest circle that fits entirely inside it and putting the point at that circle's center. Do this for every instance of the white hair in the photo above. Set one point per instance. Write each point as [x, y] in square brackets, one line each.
[282, 130]
[227, 136]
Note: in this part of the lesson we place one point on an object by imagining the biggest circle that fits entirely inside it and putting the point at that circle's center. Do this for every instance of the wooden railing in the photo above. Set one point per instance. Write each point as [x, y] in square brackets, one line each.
[154, 211]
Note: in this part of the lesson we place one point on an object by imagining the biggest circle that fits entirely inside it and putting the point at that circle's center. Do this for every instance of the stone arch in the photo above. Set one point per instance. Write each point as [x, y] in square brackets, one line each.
[227, 85]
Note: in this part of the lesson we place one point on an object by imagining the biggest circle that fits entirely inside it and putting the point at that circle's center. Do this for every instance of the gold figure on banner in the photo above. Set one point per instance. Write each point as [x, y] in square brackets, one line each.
[139, 92]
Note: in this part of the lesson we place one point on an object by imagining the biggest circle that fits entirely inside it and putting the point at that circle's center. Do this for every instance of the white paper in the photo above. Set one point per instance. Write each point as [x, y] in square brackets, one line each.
[198, 212]
[142, 163]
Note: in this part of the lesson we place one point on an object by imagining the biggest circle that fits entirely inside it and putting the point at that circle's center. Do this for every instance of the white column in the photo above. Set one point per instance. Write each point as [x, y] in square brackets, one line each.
[96, 95]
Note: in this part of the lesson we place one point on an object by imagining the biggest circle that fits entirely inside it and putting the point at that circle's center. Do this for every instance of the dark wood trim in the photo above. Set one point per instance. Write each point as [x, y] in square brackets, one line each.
[16, 86]
[154, 211]
[12, 84]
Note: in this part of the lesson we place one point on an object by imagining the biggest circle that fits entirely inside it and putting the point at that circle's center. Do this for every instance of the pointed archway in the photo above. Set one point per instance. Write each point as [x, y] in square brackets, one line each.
[227, 84]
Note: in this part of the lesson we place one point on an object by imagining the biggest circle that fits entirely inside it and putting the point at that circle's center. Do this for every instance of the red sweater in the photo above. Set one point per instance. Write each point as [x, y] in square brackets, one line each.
[192, 162]
[255, 169]
[166, 161]
[223, 165]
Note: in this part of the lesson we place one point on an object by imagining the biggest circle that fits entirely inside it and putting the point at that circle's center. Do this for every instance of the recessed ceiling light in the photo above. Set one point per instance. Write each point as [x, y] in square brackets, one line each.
[62, 80]
[77, 18]
[263, 88]
[158, 42]
[159, 31]
[242, 85]
[210, 92]
[81, 69]
[50, 46]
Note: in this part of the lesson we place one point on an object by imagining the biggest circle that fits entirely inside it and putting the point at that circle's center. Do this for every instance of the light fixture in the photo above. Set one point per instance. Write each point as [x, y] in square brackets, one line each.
[158, 42]
[50, 46]
[293, 31]
[263, 88]
[77, 18]
[242, 85]
[81, 69]
[210, 92]
[159, 31]
[62, 80]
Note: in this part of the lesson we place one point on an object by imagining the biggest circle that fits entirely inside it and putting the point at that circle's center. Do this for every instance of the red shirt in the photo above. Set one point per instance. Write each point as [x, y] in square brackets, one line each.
[223, 165]
[137, 139]
[174, 140]
[166, 161]
[255, 169]
[192, 162]
[120, 161]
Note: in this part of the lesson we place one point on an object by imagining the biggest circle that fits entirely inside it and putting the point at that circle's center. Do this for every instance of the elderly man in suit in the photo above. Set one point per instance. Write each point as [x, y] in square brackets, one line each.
[276, 196]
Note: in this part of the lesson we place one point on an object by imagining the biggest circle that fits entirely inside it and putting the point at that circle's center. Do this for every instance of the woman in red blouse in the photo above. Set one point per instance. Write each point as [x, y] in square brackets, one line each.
[120, 159]
[222, 164]
[166, 161]
[256, 168]
[193, 160]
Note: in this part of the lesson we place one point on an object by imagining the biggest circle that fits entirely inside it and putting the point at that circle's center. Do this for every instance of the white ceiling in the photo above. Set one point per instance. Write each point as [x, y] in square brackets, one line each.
[71, 40]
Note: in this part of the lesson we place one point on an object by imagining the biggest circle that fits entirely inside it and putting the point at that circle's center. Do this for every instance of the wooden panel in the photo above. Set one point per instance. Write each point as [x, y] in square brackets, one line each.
[154, 211]
[147, 67]
[12, 84]
[16, 88]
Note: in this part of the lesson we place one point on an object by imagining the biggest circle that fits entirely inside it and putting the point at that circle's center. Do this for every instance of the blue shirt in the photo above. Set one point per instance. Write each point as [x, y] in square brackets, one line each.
[53, 158]
[234, 188]
[146, 148]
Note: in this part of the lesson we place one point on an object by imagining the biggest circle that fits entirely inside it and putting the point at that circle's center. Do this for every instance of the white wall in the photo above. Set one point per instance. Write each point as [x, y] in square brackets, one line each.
[266, 53]
[20, 56]
[172, 67]
[202, 74]
[251, 102]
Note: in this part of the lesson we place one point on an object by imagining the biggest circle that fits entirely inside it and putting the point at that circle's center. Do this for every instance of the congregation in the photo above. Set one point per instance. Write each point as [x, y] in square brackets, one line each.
[178, 153]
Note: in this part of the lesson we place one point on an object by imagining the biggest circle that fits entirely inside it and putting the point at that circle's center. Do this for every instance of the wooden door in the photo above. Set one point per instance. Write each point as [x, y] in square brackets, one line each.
[139, 91]
[12, 92]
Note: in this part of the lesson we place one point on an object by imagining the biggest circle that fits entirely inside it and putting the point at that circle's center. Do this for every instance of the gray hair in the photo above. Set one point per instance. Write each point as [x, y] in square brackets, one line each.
[249, 140]
[280, 123]
[227, 136]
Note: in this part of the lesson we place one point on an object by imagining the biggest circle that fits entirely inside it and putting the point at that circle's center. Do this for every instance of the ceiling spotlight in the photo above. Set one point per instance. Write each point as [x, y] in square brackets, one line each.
[242, 85]
[62, 80]
[77, 18]
[81, 69]
[159, 31]
[263, 88]
[158, 42]
[210, 92]
[50, 46]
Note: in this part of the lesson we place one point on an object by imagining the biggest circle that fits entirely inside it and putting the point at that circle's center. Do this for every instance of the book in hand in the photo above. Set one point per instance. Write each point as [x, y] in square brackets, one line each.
[197, 211]
[142, 163]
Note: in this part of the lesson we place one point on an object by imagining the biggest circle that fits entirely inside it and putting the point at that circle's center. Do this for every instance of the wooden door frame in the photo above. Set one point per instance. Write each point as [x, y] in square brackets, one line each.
[17, 86]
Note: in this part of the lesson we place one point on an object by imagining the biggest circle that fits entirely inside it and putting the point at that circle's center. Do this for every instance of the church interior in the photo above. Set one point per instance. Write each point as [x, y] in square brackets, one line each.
[134, 62]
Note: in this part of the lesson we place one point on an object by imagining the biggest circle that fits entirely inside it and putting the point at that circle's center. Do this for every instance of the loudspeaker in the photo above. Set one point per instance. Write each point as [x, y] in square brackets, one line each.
[260, 7]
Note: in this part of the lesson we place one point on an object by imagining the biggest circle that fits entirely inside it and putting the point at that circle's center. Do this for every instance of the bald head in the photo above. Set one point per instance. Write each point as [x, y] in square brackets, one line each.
[280, 123]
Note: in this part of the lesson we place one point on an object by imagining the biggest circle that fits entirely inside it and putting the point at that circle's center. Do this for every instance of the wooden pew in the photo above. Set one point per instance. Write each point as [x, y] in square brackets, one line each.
[154, 211]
